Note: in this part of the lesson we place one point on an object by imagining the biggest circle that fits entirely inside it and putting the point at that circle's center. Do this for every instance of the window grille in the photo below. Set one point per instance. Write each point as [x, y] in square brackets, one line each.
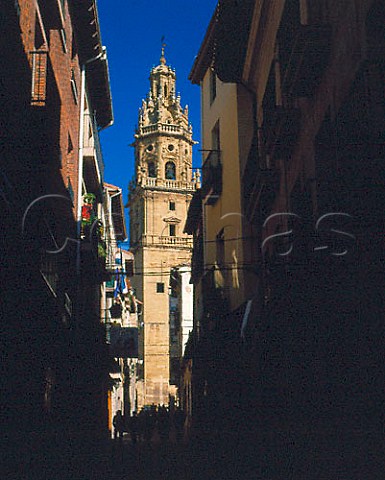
[39, 78]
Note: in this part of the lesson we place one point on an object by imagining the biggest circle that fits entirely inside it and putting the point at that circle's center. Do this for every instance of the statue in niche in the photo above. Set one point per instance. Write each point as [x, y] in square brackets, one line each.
[170, 172]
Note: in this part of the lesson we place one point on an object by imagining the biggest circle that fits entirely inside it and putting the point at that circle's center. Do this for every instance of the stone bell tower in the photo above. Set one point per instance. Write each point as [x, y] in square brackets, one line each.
[159, 197]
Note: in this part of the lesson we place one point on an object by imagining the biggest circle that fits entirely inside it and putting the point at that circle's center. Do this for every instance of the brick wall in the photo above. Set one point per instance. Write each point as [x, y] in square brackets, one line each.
[62, 61]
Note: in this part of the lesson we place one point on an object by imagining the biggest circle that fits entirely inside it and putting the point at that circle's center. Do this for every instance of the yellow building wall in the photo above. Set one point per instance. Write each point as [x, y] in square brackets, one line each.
[226, 213]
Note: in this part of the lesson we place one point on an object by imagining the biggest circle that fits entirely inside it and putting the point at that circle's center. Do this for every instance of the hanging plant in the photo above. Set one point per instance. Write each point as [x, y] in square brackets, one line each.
[100, 229]
[102, 253]
[89, 198]
[88, 214]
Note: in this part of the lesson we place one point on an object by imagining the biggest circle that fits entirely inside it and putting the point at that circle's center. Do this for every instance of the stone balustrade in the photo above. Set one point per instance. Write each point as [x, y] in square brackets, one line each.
[165, 241]
[164, 128]
[168, 184]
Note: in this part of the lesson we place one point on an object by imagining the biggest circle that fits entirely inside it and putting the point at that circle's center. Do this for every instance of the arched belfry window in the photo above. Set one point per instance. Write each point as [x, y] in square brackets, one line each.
[151, 169]
[165, 91]
[170, 171]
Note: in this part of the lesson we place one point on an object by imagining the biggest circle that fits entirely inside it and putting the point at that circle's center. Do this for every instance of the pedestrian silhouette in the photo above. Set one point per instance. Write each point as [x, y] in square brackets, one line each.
[134, 428]
[118, 423]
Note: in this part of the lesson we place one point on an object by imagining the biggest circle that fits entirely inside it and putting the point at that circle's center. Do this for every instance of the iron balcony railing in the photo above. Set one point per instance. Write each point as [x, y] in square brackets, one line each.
[212, 178]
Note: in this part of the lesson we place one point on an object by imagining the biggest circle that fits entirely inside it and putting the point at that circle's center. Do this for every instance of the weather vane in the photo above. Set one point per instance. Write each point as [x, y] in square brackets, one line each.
[163, 46]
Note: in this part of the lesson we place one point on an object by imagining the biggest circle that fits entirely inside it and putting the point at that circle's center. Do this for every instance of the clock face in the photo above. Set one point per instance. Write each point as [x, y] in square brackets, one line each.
[150, 148]
[171, 147]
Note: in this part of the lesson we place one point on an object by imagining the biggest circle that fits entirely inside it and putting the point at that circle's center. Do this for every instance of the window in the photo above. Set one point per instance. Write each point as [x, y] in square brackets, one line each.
[111, 282]
[151, 170]
[70, 190]
[39, 65]
[74, 49]
[290, 22]
[40, 39]
[172, 206]
[269, 101]
[63, 37]
[172, 229]
[220, 248]
[70, 146]
[129, 267]
[74, 86]
[160, 287]
[318, 12]
[170, 171]
[213, 86]
[215, 138]
[39, 78]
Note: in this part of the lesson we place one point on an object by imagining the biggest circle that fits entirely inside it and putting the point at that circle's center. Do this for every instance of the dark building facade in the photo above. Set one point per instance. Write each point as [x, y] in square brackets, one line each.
[309, 357]
[54, 371]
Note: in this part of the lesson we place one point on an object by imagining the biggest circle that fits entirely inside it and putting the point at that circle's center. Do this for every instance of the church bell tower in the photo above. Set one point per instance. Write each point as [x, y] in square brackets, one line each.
[159, 198]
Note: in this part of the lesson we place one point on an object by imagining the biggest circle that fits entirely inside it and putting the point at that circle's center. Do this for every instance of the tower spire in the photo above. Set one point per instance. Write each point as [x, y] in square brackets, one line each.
[162, 57]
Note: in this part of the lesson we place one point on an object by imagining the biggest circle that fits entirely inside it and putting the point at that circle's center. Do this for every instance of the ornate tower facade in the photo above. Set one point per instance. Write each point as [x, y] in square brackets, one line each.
[159, 197]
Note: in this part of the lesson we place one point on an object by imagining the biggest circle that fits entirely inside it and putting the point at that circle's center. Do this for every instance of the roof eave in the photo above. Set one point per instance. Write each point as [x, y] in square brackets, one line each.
[85, 18]
[204, 58]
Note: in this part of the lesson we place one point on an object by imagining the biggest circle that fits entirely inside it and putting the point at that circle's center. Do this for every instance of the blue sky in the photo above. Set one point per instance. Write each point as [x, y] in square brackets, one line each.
[132, 32]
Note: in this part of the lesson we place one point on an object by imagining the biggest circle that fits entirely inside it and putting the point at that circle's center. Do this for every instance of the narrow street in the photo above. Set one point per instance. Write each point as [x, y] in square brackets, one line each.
[170, 460]
[121, 460]
[272, 454]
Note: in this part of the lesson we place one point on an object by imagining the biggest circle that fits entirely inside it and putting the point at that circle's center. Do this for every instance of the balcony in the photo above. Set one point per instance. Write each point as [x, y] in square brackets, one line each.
[281, 127]
[91, 142]
[162, 184]
[165, 241]
[93, 246]
[211, 178]
[215, 296]
[164, 128]
[93, 158]
[260, 186]
[197, 260]
[307, 60]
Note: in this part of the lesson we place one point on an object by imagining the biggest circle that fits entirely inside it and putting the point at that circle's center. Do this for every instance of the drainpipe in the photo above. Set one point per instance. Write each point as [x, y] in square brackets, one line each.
[100, 56]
